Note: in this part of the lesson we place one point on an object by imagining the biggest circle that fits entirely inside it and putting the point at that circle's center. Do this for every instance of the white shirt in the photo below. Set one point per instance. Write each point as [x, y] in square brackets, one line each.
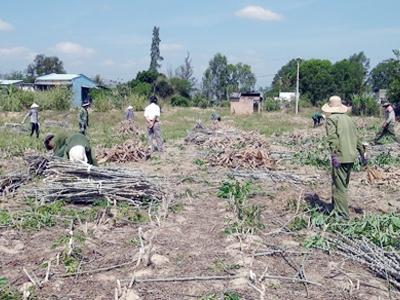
[152, 111]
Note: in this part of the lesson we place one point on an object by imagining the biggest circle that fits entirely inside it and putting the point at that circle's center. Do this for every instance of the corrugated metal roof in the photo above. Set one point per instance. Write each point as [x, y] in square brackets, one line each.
[57, 77]
[9, 82]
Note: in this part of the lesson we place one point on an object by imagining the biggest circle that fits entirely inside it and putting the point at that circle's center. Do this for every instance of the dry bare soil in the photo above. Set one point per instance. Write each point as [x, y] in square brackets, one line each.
[189, 240]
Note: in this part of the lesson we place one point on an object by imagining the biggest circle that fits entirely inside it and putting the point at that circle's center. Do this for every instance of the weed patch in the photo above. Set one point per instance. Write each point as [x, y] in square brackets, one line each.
[247, 217]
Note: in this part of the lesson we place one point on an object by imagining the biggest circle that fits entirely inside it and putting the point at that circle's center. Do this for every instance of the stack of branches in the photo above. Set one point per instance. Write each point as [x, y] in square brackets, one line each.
[82, 183]
[383, 177]
[232, 148]
[386, 264]
[36, 166]
[10, 183]
[55, 123]
[37, 163]
[239, 150]
[130, 150]
[16, 127]
[199, 134]
[127, 127]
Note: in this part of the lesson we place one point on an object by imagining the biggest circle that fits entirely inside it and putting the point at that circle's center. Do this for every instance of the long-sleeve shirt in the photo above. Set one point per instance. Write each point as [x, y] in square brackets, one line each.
[390, 117]
[63, 144]
[83, 117]
[342, 138]
[34, 114]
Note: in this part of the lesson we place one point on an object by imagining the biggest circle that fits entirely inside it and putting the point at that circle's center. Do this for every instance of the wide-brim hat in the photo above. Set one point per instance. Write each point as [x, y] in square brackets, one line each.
[34, 105]
[335, 105]
[386, 104]
[130, 107]
[85, 104]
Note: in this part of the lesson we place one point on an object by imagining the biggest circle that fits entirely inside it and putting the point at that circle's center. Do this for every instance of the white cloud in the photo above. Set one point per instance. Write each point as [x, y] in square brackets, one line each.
[171, 47]
[258, 13]
[72, 49]
[5, 26]
[17, 52]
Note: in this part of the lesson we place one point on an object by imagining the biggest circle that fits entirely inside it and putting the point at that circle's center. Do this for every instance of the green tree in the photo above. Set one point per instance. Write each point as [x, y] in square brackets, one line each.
[386, 75]
[285, 79]
[15, 75]
[382, 74]
[163, 88]
[350, 75]
[316, 80]
[185, 71]
[215, 78]
[181, 86]
[155, 55]
[43, 65]
[246, 78]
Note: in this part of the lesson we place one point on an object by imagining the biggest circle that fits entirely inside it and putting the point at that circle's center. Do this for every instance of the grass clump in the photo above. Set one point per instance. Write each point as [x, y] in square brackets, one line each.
[229, 295]
[381, 230]
[247, 217]
[7, 292]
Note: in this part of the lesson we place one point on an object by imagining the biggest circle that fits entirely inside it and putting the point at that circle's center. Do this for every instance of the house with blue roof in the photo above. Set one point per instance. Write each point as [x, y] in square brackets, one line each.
[79, 84]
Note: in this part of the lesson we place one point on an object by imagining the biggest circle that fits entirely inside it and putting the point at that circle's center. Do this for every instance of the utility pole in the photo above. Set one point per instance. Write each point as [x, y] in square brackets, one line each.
[297, 86]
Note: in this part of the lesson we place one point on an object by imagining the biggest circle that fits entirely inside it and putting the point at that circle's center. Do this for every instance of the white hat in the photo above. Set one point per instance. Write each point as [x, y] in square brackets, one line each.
[335, 106]
[85, 104]
[130, 107]
[34, 105]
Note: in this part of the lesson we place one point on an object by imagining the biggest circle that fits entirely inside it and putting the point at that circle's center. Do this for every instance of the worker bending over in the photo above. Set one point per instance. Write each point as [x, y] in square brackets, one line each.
[76, 147]
[317, 118]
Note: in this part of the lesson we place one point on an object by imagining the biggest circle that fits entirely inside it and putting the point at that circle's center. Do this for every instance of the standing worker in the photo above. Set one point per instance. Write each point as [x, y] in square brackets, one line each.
[216, 119]
[34, 114]
[388, 125]
[84, 117]
[317, 117]
[75, 147]
[152, 115]
[343, 143]
[129, 113]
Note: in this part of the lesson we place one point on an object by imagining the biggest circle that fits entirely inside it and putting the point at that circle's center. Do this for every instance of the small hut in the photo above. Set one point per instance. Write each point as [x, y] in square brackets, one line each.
[245, 103]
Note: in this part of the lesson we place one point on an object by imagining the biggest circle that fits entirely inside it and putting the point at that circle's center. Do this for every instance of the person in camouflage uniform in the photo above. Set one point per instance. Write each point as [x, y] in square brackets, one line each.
[69, 147]
[83, 117]
[343, 143]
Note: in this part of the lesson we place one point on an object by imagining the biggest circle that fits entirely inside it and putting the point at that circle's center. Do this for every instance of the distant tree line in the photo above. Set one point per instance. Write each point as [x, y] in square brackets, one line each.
[348, 78]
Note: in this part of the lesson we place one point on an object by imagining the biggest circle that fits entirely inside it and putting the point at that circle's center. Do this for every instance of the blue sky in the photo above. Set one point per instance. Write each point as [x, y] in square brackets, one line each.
[113, 38]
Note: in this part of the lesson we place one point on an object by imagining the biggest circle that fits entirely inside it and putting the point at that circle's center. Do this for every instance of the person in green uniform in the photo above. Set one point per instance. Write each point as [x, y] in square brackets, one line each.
[317, 117]
[343, 143]
[84, 117]
[75, 147]
[388, 125]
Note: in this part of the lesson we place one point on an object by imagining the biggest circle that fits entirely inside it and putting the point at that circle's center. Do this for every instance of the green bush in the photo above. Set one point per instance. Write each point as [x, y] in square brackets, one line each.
[13, 99]
[142, 88]
[102, 101]
[10, 103]
[271, 104]
[58, 98]
[180, 101]
[364, 106]
[138, 102]
[200, 101]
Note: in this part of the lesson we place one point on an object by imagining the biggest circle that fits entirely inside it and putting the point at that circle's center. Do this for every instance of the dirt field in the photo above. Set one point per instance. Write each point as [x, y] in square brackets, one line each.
[187, 247]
